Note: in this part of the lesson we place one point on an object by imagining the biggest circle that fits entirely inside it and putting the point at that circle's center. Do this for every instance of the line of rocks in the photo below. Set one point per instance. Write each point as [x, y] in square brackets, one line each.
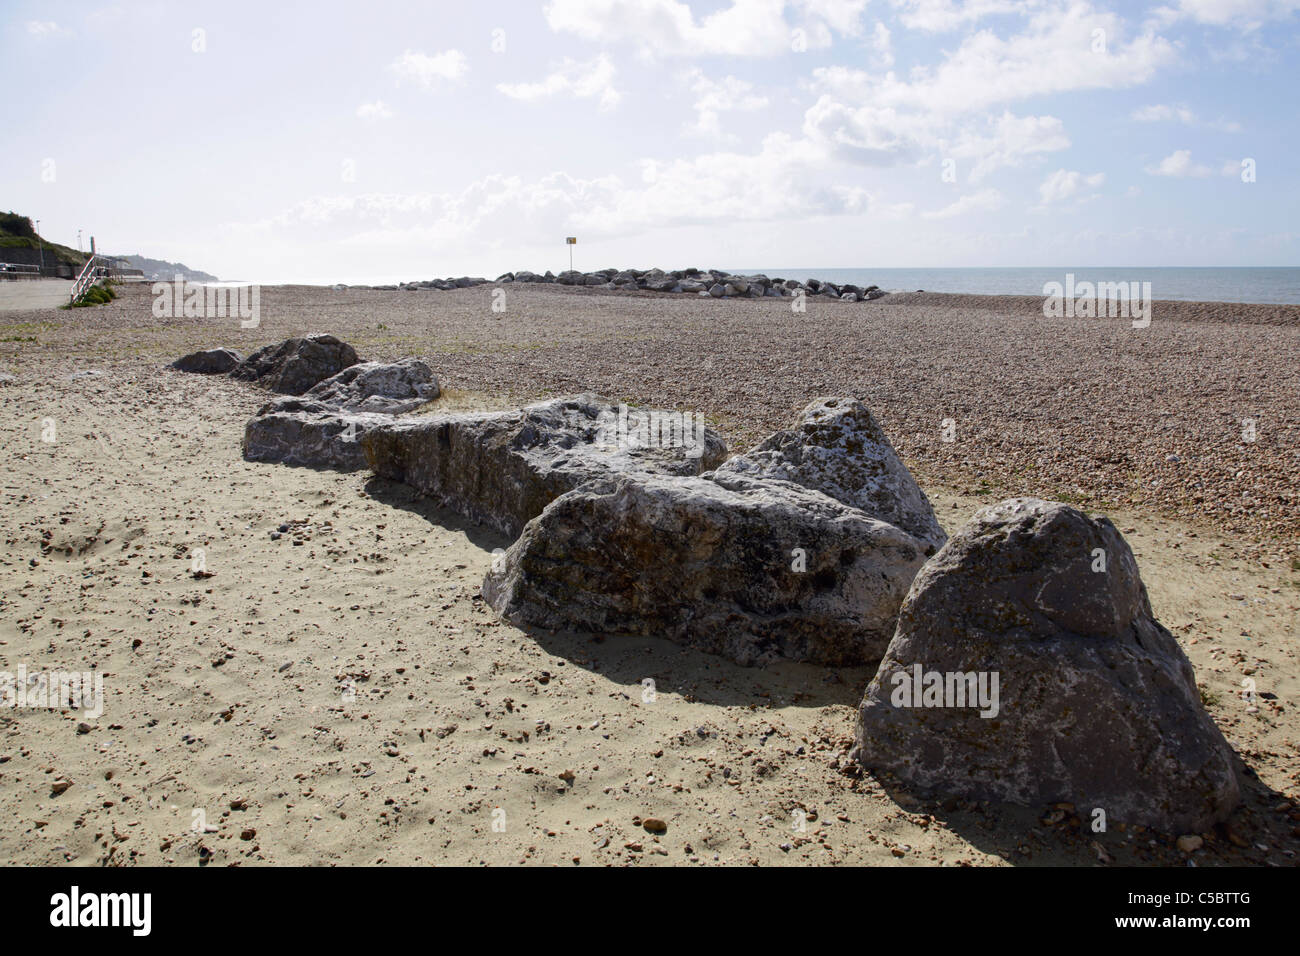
[332, 398]
[703, 282]
[816, 546]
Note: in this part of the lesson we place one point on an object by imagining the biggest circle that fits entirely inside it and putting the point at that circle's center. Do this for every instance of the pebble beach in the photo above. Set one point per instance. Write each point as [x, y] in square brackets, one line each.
[222, 690]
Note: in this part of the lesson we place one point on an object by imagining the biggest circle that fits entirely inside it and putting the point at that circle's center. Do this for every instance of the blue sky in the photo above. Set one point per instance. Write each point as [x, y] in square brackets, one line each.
[353, 141]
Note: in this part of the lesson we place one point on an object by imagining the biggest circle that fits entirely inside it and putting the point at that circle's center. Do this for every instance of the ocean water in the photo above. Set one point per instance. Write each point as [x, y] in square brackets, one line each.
[1278, 285]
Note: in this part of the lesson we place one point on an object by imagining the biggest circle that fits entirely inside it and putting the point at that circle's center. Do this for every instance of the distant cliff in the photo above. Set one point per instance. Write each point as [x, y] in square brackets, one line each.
[166, 271]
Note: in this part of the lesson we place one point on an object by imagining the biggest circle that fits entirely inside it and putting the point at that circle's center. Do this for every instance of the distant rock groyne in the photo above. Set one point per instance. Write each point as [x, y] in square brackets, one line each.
[706, 282]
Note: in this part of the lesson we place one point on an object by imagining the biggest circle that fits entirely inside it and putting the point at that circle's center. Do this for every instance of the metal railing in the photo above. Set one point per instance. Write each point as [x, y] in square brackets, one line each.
[92, 270]
[15, 270]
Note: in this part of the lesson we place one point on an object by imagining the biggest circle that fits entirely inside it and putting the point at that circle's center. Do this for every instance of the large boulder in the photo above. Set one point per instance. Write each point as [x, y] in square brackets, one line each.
[295, 365]
[1094, 703]
[310, 434]
[752, 570]
[208, 362]
[837, 447]
[394, 387]
[503, 468]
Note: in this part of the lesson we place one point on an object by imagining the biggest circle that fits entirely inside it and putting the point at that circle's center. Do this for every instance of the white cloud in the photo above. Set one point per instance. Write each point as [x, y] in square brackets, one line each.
[430, 71]
[783, 180]
[882, 136]
[986, 200]
[942, 16]
[885, 119]
[39, 28]
[594, 78]
[714, 97]
[868, 135]
[1245, 15]
[1053, 55]
[669, 27]
[1163, 113]
[1178, 165]
[882, 45]
[374, 111]
[1012, 139]
[842, 16]
[1067, 184]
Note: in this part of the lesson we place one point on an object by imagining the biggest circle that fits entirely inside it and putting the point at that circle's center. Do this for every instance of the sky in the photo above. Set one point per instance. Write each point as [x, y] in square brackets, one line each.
[383, 141]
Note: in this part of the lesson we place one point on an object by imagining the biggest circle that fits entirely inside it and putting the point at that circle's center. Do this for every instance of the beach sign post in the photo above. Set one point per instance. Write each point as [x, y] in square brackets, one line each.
[571, 241]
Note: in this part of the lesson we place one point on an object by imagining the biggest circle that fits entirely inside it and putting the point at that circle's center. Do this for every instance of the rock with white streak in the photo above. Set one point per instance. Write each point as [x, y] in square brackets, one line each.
[837, 447]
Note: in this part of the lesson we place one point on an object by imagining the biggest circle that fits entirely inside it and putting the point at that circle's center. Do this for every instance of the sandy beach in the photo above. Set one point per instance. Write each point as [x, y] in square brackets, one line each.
[342, 695]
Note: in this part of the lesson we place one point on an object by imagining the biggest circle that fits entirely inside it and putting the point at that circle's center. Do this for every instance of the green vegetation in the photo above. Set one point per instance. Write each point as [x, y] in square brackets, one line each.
[99, 294]
[18, 232]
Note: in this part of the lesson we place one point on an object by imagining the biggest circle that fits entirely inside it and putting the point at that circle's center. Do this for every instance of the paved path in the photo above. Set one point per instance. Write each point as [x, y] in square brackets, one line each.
[34, 294]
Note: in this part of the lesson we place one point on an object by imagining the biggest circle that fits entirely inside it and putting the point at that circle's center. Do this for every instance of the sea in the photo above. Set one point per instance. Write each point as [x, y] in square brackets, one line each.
[1276, 285]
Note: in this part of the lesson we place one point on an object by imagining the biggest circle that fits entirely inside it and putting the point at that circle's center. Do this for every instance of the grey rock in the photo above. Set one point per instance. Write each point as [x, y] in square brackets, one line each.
[502, 468]
[717, 290]
[712, 564]
[837, 447]
[307, 433]
[1097, 704]
[392, 387]
[296, 364]
[210, 362]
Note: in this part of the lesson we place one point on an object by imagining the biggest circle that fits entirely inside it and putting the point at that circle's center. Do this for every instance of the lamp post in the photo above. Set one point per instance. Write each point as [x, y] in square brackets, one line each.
[571, 241]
